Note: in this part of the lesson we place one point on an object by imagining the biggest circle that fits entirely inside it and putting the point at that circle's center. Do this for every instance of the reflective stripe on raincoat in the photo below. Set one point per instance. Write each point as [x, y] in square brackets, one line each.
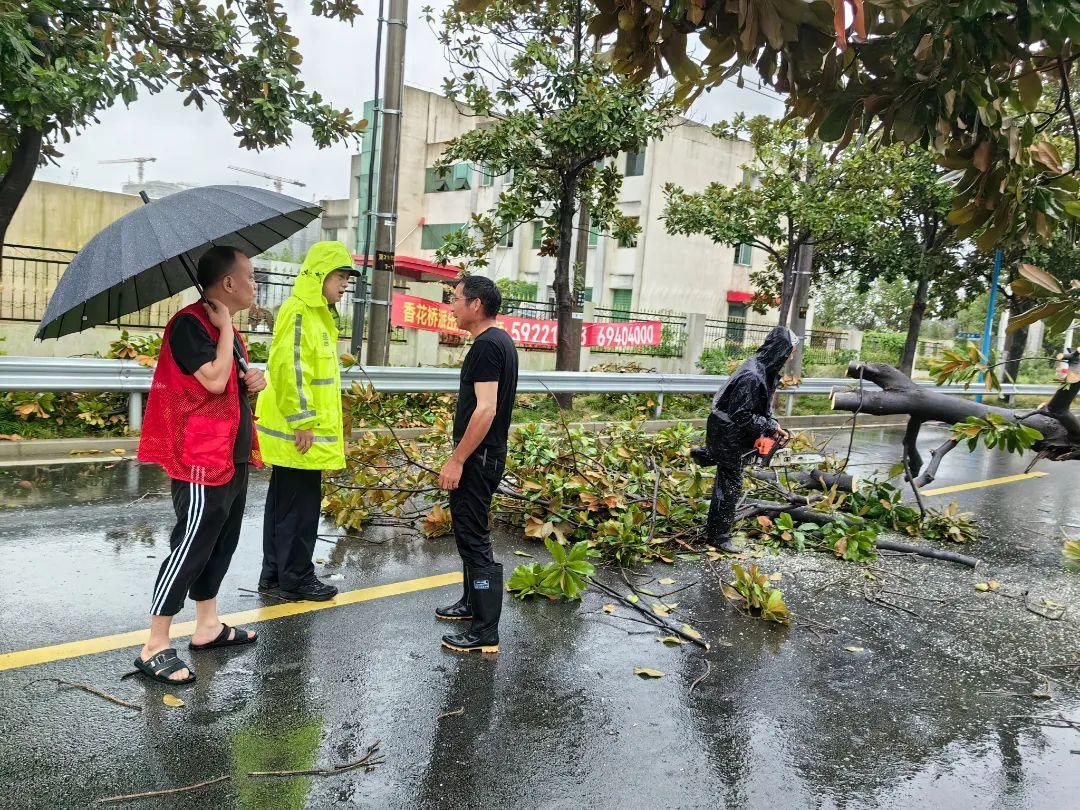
[303, 389]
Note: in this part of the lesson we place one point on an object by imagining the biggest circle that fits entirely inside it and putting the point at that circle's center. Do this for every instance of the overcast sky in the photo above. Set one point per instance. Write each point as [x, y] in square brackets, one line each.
[198, 147]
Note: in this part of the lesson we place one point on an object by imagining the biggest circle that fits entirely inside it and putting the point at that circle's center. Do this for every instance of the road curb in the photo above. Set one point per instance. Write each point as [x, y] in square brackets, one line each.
[45, 449]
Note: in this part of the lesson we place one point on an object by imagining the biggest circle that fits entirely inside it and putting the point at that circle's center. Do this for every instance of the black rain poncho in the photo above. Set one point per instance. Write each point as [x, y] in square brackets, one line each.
[742, 413]
[742, 408]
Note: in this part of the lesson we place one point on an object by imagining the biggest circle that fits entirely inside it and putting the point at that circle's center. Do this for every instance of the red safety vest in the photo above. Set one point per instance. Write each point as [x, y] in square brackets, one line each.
[187, 429]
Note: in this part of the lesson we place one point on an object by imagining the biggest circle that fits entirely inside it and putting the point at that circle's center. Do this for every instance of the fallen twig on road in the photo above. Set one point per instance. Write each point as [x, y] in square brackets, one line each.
[454, 713]
[368, 761]
[644, 611]
[700, 678]
[92, 690]
[170, 792]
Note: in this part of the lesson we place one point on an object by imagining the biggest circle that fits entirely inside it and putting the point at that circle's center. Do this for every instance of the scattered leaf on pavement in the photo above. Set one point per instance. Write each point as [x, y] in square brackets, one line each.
[667, 581]
[671, 641]
[855, 649]
[644, 672]
[608, 608]
[172, 701]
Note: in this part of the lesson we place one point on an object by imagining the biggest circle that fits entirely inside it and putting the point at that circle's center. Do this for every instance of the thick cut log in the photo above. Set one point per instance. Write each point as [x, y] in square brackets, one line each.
[814, 479]
[899, 395]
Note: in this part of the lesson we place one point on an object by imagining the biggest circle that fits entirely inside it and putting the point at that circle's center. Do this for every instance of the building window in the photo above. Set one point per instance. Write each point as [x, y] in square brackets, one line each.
[431, 238]
[744, 253]
[486, 177]
[594, 235]
[538, 234]
[635, 163]
[588, 294]
[630, 241]
[620, 304]
[452, 178]
[736, 324]
[750, 177]
[507, 240]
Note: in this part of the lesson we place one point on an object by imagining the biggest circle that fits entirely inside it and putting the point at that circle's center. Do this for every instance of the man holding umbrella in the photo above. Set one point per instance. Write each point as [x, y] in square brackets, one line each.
[198, 421]
[198, 427]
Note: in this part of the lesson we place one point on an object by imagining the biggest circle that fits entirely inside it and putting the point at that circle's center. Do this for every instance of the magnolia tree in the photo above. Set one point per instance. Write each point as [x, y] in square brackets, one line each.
[553, 114]
[62, 62]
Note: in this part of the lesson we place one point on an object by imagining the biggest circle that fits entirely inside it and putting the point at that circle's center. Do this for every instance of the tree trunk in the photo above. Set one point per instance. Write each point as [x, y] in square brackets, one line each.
[915, 319]
[567, 355]
[15, 182]
[1059, 427]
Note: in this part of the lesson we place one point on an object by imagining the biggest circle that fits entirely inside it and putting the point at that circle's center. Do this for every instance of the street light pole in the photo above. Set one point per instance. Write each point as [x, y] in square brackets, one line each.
[384, 218]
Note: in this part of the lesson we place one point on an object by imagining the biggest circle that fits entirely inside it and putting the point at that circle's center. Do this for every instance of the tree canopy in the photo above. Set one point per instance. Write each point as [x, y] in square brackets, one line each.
[62, 62]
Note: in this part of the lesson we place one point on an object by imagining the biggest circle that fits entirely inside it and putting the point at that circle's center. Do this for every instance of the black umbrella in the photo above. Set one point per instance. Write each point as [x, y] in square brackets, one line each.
[150, 253]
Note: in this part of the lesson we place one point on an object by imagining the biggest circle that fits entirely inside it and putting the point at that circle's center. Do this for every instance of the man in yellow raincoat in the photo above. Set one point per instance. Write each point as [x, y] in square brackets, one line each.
[299, 422]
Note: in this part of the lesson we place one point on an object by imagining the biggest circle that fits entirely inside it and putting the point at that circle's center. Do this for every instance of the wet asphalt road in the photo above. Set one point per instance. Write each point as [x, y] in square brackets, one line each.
[786, 717]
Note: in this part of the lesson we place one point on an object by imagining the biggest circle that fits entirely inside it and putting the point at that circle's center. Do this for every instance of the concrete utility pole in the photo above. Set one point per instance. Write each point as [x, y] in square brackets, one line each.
[800, 302]
[385, 215]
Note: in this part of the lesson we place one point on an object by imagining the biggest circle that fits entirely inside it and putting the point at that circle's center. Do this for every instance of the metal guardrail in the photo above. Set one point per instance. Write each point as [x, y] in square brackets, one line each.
[91, 374]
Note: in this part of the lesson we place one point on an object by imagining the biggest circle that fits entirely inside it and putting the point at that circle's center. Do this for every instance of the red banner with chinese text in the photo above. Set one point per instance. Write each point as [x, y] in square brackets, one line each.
[412, 312]
[434, 316]
[623, 335]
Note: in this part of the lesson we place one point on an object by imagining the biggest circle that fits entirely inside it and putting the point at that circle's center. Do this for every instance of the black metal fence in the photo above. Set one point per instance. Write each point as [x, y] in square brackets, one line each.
[673, 333]
[29, 274]
[529, 309]
[735, 339]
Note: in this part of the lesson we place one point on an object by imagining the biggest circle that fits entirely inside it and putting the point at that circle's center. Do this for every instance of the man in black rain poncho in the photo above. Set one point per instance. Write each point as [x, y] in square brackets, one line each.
[741, 414]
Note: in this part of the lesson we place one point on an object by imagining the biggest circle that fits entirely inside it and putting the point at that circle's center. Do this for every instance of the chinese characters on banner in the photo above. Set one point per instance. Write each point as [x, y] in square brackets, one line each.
[412, 312]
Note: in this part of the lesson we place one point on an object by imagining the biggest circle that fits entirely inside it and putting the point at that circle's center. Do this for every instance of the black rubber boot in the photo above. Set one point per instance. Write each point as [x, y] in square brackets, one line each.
[462, 608]
[727, 545]
[487, 591]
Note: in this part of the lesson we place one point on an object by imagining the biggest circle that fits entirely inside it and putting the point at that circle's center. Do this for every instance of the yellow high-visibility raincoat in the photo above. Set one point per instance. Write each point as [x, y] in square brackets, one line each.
[303, 389]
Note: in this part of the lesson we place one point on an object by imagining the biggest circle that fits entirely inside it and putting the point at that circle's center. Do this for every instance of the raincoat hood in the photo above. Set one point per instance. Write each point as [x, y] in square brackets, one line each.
[774, 352]
[322, 259]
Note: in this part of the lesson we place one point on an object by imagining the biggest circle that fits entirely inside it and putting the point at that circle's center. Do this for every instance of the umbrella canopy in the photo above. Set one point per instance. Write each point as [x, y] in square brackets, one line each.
[139, 259]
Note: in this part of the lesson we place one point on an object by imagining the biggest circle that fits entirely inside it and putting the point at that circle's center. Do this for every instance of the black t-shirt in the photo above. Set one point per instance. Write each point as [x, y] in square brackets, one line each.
[192, 348]
[492, 358]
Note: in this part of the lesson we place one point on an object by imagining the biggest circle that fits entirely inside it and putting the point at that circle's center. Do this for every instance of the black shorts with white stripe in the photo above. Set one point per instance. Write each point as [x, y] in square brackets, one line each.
[208, 521]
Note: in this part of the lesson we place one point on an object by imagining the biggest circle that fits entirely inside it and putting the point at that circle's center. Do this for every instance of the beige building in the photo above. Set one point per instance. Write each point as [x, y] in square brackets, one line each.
[658, 272]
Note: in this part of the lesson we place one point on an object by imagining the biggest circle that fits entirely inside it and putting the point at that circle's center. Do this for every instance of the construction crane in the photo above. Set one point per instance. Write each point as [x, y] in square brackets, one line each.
[277, 181]
[142, 161]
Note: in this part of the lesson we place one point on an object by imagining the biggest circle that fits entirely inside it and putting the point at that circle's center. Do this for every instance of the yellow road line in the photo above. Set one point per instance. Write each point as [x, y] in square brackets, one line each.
[989, 482]
[74, 649]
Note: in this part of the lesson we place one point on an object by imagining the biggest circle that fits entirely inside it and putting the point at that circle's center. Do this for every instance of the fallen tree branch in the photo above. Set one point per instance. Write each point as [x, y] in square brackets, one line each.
[644, 611]
[700, 678]
[369, 760]
[927, 551]
[92, 690]
[805, 515]
[170, 792]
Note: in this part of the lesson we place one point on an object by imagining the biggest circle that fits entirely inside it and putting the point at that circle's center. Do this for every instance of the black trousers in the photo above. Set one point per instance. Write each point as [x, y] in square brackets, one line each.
[208, 521]
[727, 489]
[291, 525]
[470, 506]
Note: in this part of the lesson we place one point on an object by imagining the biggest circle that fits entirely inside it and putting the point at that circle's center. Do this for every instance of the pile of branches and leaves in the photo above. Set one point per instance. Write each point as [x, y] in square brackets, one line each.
[623, 497]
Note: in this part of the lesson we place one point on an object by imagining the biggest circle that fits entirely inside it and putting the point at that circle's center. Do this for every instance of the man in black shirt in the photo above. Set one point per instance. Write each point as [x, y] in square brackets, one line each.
[474, 470]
